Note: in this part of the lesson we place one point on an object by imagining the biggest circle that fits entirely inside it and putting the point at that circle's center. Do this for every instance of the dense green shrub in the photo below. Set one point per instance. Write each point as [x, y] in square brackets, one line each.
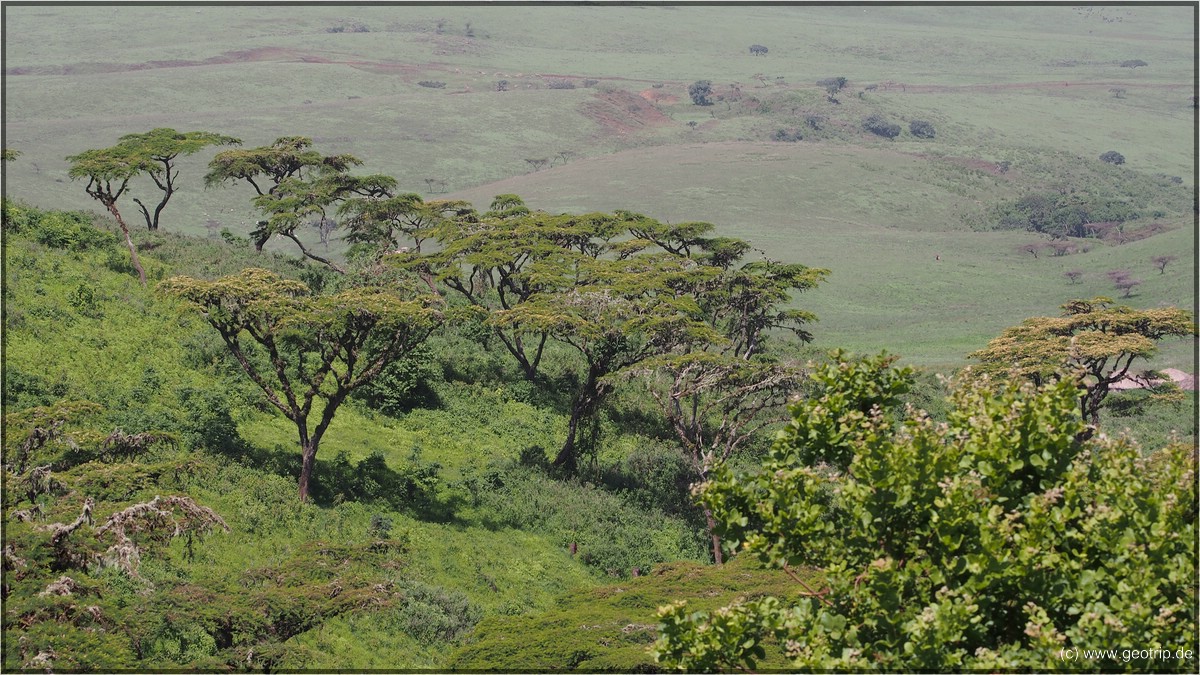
[402, 384]
[435, 614]
[787, 135]
[611, 535]
[881, 127]
[921, 129]
[1112, 157]
[996, 541]
[71, 230]
[1061, 215]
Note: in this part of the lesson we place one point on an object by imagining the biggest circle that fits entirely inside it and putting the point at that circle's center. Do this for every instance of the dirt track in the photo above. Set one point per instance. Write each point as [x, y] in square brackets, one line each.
[280, 54]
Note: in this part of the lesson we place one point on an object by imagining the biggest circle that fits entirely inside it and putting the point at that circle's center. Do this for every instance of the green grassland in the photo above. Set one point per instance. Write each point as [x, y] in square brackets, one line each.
[876, 212]
[469, 568]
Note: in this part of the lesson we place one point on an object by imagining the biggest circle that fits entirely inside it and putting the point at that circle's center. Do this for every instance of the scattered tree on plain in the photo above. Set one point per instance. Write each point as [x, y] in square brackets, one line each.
[300, 184]
[1112, 157]
[921, 129]
[1161, 262]
[1093, 344]
[153, 154]
[1073, 275]
[163, 146]
[758, 50]
[1127, 284]
[700, 91]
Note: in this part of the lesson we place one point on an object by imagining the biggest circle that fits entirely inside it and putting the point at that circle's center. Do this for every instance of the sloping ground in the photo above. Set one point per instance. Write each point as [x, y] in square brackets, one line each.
[611, 628]
[623, 113]
[907, 273]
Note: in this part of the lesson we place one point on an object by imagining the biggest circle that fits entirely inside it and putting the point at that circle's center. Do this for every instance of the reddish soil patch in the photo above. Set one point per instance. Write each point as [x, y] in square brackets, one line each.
[623, 113]
[1183, 380]
[659, 96]
[237, 56]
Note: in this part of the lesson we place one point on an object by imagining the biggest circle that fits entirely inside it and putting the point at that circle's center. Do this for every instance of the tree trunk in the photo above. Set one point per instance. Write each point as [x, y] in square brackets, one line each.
[585, 404]
[133, 256]
[308, 451]
[566, 460]
[716, 540]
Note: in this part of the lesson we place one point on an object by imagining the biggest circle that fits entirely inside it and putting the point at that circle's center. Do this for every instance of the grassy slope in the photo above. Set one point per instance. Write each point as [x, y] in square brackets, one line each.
[886, 289]
[125, 354]
[611, 628]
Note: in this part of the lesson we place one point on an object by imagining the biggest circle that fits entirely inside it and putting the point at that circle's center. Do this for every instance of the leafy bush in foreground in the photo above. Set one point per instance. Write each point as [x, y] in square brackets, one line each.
[995, 541]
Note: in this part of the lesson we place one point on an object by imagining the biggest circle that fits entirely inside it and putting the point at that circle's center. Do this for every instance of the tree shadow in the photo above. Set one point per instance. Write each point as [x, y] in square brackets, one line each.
[413, 490]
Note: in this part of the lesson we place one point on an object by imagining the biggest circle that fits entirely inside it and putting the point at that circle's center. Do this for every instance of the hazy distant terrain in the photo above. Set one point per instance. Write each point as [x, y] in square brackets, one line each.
[1030, 86]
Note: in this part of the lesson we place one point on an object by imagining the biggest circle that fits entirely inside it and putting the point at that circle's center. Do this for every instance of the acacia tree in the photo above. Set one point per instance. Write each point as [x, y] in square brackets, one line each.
[299, 348]
[162, 147]
[717, 394]
[508, 255]
[152, 153]
[376, 225]
[108, 173]
[295, 201]
[615, 314]
[1093, 344]
[293, 183]
[995, 541]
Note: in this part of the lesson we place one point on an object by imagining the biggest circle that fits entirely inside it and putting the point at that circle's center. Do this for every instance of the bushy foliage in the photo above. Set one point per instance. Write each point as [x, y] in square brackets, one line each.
[1112, 157]
[787, 135]
[881, 127]
[69, 230]
[700, 91]
[921, 129]
[610, 534]
[402, 384]
[1061, 215]
[832, 84]
[997, 540]
[432, 84]
[609, 629]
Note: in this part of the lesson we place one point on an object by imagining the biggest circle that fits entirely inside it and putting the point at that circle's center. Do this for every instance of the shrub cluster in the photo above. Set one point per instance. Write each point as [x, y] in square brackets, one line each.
[998, 540]
[1061, 215]
[881, 127]
[70, 230]
[787, 135]
[921, 129]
